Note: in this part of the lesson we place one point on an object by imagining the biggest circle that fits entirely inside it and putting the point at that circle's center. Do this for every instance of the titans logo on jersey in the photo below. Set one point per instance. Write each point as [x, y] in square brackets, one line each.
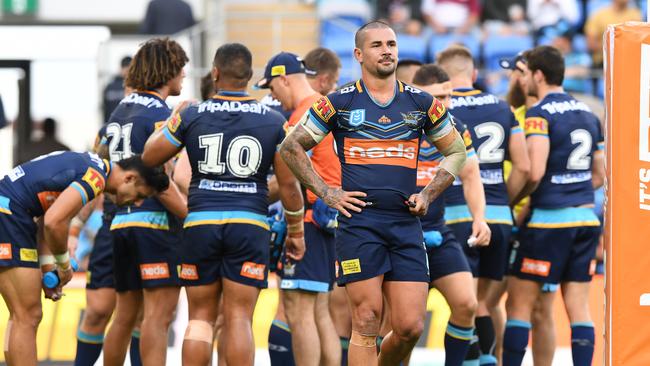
[378, 145]
[429, 160]
[575, 135]
[490, 124]
[231, 141]
[136, 117]
[36, 184]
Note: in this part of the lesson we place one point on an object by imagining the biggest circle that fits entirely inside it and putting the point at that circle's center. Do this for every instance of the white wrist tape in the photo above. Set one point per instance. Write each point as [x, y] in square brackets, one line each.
[62, 258]
[300, 212]
[44, 260]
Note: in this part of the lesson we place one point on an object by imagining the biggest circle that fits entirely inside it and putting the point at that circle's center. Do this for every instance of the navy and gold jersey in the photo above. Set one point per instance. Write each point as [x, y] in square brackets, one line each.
[36, 184]
[231, 141]
[429, 160]
[128, 128]
[378, 145]
[575, 135]
[490, 123]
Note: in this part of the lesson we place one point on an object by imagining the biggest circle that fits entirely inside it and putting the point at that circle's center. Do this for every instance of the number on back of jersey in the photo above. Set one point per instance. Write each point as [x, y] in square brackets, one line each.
[243, 156]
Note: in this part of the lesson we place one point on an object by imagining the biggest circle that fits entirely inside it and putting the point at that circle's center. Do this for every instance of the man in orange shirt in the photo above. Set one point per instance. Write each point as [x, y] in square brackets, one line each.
[314, 338]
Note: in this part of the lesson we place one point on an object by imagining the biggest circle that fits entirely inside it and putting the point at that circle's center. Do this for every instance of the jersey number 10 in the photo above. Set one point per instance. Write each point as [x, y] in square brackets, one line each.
[243, 156]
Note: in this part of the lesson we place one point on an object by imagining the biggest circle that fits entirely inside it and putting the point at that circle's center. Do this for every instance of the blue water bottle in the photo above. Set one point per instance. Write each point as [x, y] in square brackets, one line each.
[51, 279]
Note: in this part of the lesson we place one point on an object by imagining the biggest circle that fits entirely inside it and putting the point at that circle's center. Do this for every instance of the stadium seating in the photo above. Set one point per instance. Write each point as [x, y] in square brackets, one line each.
[439, 42]
[412, 47]
[497, 47]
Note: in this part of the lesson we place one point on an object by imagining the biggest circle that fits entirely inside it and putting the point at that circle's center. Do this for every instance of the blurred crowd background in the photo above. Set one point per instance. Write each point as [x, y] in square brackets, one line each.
[62, 61]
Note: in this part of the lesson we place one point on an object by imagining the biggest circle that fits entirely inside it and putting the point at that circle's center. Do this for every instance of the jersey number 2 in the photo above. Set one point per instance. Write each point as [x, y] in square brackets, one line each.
[579, 158]
[243, 156]
[490, 151]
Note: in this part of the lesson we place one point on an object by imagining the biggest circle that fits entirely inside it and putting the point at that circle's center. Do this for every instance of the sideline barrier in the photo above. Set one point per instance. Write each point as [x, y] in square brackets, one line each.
[627, 74]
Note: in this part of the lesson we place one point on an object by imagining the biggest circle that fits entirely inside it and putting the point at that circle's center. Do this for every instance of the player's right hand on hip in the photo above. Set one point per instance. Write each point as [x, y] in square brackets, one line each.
[344, 201]
[295, 248]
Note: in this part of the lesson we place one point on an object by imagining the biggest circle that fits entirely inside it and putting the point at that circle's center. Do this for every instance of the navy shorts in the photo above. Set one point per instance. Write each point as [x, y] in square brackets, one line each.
[237, 251]
[100, 263]
[315, 272]
[558, 245]
[145, 257]
[447, 258]
[17, 236]
[381, 242]
[491, 261]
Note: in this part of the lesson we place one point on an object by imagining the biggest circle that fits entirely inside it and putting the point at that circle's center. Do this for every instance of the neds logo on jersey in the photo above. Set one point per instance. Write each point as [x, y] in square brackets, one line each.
[385, 152]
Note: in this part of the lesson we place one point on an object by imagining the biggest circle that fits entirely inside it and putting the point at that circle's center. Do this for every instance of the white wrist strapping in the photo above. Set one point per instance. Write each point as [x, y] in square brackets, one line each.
[47, 259]
[62, 258]
[77, 222]
[300, 212]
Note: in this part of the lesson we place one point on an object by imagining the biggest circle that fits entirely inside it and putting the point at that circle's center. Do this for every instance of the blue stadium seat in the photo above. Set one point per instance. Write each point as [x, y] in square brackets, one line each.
[336, 37]
[594, 5]
[439, 42]
[412, 47]
[580, 43]
[497, 47]
[350, 70]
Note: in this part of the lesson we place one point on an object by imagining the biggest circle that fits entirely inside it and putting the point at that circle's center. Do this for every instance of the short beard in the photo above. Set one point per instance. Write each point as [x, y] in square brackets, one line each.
[385, 73]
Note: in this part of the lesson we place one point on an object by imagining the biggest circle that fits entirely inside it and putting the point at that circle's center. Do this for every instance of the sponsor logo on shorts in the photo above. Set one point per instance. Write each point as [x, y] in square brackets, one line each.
[351, 266]
[253, 270]
[154, 271]
[94, 180]
[536, 267]
[189, 272]
[28, 255]
[592, 267]
[5, 251]
[385, 152]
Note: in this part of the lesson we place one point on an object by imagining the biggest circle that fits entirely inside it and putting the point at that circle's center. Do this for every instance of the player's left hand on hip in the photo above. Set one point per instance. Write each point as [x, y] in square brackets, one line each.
[295, 248]
[481, 231]
[418, 204]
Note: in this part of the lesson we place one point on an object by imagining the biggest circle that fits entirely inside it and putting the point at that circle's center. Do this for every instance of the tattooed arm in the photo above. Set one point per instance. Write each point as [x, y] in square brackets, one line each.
[293, 151]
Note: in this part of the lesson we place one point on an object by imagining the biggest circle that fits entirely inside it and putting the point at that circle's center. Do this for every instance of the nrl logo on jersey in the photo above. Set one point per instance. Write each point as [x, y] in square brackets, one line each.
[411, 119]
[357, 117]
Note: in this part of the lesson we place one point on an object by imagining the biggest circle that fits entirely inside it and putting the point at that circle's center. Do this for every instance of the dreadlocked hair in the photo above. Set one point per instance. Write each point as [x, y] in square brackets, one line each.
[157, 61]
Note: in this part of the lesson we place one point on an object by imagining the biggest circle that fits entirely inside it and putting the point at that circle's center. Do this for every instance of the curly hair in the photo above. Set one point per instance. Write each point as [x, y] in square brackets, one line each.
[157, 61]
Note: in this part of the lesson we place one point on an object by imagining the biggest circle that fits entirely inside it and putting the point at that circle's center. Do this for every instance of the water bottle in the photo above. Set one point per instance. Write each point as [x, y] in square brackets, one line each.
[51, 279]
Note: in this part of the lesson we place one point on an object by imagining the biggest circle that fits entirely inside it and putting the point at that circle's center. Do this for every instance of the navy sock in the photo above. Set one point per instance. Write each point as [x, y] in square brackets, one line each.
[134, 350]
[280, 350]
[582, 343]
[473, 353]
[487, 340]
[456, 344]
[345, 344]
[89, 347]
[515, 340]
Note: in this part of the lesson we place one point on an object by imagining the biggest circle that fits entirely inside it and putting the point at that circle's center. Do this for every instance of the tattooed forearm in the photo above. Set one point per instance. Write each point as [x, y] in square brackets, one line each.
[293, 152]
[438, 184]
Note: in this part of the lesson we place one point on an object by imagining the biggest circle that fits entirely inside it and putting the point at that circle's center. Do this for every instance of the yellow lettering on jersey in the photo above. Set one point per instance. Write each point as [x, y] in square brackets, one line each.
[174, 122]
[28, 255]
[324, 108]
[536, 126]
[351, 266]
[95, 180]
[437, 110]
